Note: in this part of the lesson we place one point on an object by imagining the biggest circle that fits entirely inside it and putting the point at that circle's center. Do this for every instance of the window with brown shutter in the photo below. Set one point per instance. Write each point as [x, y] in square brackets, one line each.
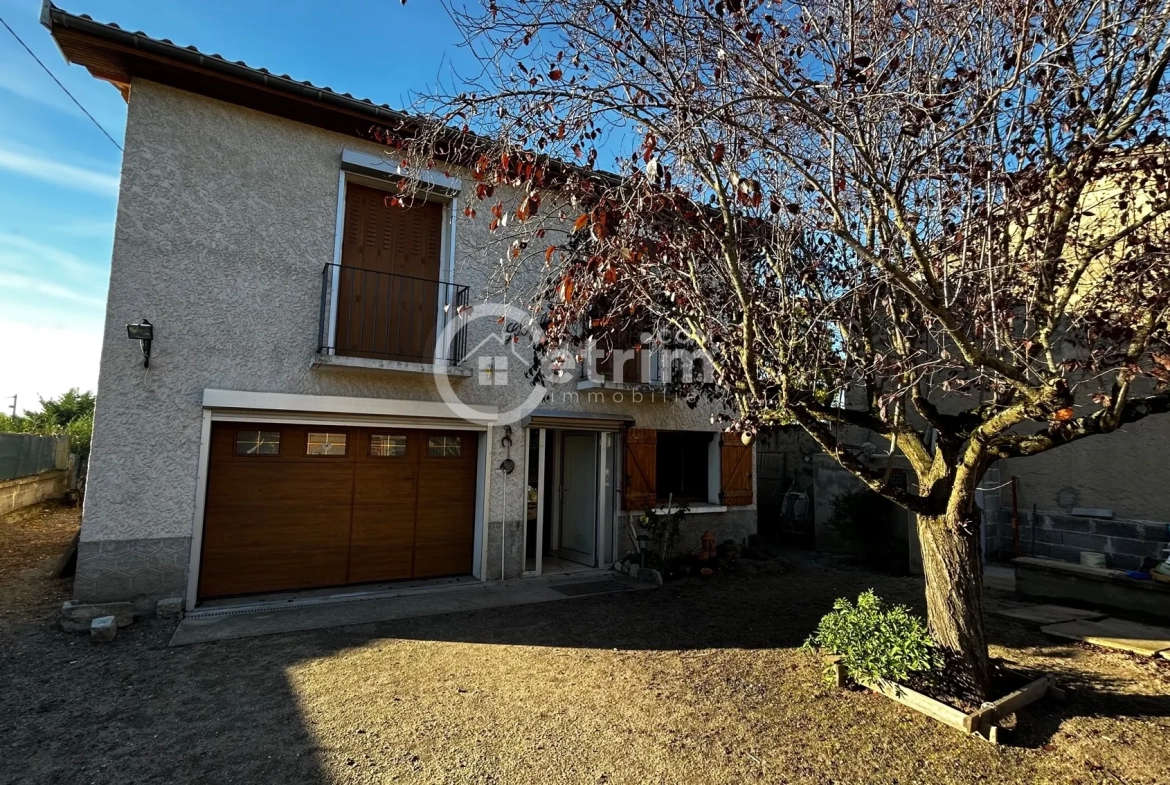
[683, 461]
[389, 291]
[640, 469]
[735, 471]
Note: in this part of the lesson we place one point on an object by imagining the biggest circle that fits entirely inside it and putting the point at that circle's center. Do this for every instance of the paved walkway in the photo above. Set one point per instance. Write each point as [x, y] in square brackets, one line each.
[224, 622]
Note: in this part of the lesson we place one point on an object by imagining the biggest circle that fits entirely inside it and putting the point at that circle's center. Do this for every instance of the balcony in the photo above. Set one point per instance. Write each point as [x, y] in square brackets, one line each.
[379, 320]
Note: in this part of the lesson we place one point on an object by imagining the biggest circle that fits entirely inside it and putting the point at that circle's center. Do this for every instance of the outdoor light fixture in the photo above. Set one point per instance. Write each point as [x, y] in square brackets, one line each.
[143, 332]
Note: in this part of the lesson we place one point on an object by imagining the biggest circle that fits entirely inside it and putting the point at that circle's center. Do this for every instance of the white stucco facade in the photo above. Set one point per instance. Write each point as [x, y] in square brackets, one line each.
[226, 218]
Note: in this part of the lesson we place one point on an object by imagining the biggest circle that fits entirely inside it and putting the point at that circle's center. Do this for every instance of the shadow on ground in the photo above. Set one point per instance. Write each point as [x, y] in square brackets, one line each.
[696, 682]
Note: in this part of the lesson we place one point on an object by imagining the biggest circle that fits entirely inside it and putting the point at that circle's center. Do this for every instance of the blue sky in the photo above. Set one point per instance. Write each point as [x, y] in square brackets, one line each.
[59, 174]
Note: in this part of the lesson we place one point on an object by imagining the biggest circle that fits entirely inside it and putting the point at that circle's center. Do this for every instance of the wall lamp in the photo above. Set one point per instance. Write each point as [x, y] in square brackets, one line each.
[143, 332]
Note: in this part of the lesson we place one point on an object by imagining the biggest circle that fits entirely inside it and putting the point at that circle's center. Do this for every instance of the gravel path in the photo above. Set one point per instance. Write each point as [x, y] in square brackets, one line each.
[699, 682]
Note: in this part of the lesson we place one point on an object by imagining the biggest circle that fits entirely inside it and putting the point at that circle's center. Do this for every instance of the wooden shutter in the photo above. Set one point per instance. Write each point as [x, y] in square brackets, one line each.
[641, 467]
[735, 471]
[389, 286]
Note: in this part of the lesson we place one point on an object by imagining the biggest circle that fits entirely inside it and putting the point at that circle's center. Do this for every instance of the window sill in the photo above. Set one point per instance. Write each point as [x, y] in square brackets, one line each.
[604, 384]
[696, 509]
[389, 366]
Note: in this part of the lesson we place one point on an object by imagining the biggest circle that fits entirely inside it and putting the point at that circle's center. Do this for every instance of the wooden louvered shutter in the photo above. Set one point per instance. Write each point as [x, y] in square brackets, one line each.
[417, 260]
[389, 290]
[735, 471]
[639, 490]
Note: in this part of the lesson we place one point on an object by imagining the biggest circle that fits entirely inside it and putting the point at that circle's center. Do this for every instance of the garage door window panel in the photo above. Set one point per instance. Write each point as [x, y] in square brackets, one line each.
[444, 447]
[257, 443]
[324, 443]
[387, 445]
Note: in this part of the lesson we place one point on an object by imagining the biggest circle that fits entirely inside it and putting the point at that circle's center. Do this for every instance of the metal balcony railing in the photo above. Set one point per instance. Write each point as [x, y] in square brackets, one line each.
[366, 313]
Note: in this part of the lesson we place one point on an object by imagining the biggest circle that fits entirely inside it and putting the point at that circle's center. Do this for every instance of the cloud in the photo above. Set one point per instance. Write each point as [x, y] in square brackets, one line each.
[84, 227]
[46, 361]
[57, 173]
[29, 87]
[19, 252]
[16, 281]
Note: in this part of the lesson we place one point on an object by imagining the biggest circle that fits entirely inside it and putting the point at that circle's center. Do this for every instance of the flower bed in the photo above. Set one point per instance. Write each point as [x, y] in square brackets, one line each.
[983, 722]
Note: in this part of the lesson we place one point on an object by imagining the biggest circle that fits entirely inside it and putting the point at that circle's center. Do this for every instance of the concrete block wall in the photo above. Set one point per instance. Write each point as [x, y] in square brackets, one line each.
[26, 491]
[1060, 535]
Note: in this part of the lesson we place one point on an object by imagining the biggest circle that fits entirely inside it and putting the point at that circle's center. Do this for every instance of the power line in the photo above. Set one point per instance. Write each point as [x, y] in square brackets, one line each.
[58, 81]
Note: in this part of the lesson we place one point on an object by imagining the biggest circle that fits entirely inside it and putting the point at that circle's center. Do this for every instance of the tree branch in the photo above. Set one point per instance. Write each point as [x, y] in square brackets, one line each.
[1060, 433]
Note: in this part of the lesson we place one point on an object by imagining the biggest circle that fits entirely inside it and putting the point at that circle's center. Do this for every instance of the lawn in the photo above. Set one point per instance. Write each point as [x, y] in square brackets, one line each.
[698, 682]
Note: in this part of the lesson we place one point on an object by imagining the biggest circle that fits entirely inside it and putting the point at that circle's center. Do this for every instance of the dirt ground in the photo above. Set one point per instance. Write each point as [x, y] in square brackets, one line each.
[699, 682]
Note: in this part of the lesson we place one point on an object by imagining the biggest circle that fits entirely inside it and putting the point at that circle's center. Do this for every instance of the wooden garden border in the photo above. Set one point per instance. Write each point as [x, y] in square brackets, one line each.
[981, 722]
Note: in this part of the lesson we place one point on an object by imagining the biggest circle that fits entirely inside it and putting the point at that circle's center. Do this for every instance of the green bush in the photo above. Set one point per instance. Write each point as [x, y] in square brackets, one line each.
[663, 530]
[80, 432]
[70, 414]
[876, 641]
[864, 521]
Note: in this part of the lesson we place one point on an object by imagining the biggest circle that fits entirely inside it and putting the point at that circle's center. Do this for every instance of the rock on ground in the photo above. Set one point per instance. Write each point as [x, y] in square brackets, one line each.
[169, 608]
[103, 629]
[76, 616]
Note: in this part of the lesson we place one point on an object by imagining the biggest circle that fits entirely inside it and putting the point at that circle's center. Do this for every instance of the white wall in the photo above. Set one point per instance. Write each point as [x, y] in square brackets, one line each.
[226, 217]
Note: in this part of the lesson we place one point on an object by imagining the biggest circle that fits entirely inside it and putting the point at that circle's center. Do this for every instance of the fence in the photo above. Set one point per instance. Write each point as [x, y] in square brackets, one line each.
[23, 454]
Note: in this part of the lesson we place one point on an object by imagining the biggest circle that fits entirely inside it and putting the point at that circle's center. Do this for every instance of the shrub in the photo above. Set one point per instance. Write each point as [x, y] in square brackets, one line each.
[865, 523]
[80, 432]
[70, 413]
[663, 529]
[876, 641]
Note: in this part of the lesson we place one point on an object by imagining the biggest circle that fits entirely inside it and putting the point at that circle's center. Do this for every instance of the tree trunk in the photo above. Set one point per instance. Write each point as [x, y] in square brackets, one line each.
[954, 597]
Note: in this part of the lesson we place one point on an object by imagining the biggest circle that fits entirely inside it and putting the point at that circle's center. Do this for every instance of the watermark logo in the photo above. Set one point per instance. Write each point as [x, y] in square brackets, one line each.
[510, 378]
[505, 337]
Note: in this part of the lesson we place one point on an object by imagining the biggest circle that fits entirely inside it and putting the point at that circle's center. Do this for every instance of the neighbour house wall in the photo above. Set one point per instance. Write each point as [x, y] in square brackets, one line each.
[1109, 494]
[1126, 543]
[1124, 476]
[226, 217]
[1127, 471]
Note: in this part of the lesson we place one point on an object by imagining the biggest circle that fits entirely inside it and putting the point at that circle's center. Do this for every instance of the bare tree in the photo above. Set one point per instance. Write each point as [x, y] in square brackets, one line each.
[948, 215]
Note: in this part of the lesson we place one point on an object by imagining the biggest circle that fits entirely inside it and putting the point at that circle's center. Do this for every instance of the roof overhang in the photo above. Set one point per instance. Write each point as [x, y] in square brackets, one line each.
[578, 421]
[118, 56]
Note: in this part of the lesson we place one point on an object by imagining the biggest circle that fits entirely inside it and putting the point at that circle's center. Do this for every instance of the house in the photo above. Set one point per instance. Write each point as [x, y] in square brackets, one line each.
[333, 388]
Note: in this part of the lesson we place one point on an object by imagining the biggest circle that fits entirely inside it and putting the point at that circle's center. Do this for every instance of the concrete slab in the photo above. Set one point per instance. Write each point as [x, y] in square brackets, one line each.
[999, 577]
[254, 619]
[1045, 614]
[1115, 634]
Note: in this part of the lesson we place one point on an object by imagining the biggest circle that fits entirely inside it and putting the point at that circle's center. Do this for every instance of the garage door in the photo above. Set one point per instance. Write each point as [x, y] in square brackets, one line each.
[296, 507]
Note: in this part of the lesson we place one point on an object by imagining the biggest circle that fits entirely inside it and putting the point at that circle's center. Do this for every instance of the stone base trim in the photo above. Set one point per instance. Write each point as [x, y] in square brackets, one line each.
[141, 571]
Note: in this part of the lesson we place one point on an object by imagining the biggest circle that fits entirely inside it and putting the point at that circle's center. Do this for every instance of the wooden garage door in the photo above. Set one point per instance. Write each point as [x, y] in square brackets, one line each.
[296, 507]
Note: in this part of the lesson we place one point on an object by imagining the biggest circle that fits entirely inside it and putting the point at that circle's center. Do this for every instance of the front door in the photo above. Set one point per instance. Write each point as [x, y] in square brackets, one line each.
[579, 498]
